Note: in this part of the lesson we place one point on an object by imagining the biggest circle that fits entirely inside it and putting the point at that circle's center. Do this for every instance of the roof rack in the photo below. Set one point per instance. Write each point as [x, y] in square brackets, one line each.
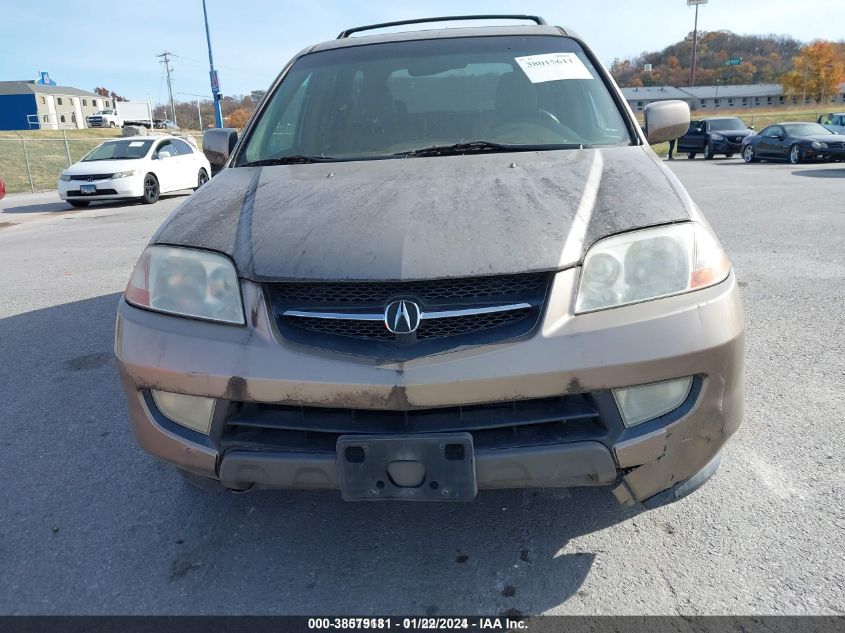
[451, 18]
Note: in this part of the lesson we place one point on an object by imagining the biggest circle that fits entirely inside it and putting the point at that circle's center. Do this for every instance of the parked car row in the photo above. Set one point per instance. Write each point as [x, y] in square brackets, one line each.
[794, 142]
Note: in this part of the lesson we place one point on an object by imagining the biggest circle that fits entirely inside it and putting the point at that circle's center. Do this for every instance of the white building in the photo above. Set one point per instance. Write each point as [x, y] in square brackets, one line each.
[721, 97]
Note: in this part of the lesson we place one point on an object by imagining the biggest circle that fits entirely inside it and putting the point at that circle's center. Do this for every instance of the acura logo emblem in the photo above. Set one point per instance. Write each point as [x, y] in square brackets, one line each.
[402, 317]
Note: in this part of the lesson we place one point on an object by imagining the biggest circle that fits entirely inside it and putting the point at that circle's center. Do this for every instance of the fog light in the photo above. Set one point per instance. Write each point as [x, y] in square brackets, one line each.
[193, 412]
[645, 402]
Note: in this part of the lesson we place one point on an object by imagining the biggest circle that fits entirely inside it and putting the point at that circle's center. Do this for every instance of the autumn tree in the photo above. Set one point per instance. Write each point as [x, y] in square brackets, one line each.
[818, 70]
[238, 118]
[105, 92]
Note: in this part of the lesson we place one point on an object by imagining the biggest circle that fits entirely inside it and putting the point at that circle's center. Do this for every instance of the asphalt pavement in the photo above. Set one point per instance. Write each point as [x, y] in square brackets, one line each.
[92, 525]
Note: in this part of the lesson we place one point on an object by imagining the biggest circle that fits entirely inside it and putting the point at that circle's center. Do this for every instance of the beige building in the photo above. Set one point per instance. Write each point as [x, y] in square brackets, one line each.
[28, 105]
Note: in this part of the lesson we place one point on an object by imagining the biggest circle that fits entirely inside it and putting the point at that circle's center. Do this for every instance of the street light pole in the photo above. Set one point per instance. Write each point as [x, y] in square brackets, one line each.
[199, 114]
[694, 38]
[215, 85]
[694, 47]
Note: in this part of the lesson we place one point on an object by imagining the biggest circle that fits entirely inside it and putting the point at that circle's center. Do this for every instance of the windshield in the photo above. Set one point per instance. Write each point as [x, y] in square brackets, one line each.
[119, 150]
[727, 124]
[806, 129]
[380, 100]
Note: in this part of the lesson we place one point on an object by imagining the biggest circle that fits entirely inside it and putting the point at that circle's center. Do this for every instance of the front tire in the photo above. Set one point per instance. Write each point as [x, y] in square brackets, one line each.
[202, 178]
[708, 152]
[79, 204]
[748, 154]
[794, 154]
[151, 190]
[691, 155]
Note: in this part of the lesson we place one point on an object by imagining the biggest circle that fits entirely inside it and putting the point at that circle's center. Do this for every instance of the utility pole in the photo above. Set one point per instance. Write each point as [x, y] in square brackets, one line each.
[215, 83]
[166, 61]
[694, 38]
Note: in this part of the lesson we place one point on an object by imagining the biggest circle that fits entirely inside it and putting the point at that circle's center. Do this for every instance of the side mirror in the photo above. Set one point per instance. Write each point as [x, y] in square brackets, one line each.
[217, 145]
[751, 127]
[164, 154]
[666, 120]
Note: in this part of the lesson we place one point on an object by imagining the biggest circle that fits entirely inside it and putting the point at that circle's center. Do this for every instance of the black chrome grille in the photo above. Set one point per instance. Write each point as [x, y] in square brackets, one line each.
[439, 328]
[346, 327]
[492, 425]
[433, 291]
[477, 310]
[429, 329]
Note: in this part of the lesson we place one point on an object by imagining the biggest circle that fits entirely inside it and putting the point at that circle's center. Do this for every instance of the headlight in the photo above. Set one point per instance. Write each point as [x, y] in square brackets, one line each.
[124, 174]
[819, 145]
[187, 282]
[64, 177]
[717, 137]
[649, 264]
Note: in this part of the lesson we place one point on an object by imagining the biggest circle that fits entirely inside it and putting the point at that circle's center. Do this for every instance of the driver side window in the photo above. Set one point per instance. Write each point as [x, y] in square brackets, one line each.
[167, 148]
[772, 132]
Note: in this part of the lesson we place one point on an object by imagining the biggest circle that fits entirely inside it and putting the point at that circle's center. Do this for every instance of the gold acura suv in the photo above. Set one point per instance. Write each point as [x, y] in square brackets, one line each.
[435, 262]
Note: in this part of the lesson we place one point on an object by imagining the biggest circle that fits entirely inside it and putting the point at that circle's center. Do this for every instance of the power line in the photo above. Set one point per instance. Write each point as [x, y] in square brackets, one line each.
[166, 55]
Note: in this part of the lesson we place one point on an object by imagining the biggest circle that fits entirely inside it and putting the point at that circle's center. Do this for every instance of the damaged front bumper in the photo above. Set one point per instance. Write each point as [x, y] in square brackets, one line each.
[569, 366]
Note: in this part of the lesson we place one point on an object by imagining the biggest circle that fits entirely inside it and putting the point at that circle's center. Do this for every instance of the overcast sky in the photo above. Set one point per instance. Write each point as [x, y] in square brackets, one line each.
[84, 43]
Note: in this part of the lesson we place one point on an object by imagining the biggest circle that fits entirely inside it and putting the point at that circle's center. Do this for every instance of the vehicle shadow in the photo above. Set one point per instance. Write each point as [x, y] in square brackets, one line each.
[110, 530]
[821, 173]
[61, 207]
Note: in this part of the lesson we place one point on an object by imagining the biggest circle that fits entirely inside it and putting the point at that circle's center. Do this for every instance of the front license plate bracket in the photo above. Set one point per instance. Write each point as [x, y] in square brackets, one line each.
[418, 467]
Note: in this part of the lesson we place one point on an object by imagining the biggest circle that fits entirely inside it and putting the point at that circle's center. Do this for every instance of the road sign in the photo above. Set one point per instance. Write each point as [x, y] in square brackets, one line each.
[692, 3]
[647, 68]
[734, 62]
[215, 82]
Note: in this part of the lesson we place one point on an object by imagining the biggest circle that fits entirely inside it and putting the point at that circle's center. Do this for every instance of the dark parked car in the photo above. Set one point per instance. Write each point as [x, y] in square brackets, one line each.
[795, 142]
[165, 124]
[714, 136]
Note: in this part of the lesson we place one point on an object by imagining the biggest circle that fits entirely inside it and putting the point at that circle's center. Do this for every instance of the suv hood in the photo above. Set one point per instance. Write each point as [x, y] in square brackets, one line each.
[425, 218]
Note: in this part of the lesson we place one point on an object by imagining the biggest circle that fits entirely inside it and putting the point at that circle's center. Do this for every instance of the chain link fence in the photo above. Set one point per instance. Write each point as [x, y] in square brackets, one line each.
[30, 164]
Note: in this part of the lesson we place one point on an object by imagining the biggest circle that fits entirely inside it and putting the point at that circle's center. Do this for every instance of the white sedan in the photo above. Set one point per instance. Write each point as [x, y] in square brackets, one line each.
[140, 167]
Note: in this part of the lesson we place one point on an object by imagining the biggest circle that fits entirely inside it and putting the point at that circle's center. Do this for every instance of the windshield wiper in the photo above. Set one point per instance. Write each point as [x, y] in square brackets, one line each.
[288, 160]
[475, 147]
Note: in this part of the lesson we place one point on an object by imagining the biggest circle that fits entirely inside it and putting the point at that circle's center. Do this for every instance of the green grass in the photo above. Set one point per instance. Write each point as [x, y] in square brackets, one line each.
[47, 153]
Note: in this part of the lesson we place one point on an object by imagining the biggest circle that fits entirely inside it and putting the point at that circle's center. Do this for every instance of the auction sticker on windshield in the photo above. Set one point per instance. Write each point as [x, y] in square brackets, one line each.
[553, 67]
